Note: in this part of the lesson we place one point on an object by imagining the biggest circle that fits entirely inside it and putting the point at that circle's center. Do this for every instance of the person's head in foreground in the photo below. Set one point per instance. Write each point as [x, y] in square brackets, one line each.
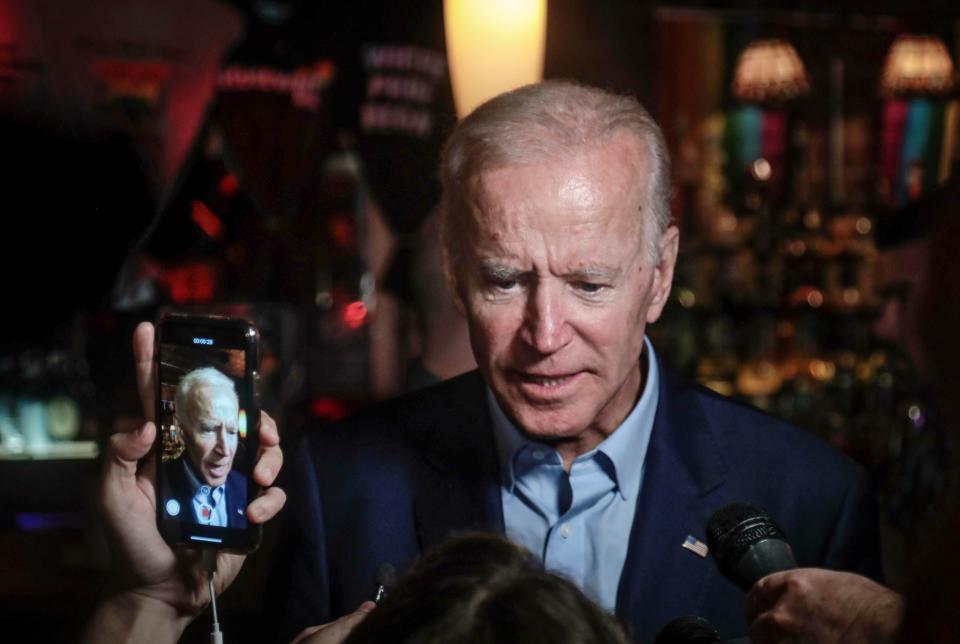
[559, 252]
[208, 414]
[480, 588]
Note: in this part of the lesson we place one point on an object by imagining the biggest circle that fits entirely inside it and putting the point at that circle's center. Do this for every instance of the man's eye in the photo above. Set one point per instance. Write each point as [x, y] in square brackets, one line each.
[589, 287]
[502, 283]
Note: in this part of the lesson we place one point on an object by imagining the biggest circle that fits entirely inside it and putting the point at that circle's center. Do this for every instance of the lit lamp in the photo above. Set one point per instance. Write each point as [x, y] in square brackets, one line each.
[917, 65]
[493, 46]
[769, 71]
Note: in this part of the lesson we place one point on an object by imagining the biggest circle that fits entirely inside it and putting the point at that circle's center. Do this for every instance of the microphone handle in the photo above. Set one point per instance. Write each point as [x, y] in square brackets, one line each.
[763, 558]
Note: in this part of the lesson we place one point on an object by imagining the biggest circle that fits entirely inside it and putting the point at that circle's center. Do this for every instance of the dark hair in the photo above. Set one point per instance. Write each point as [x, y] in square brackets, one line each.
[479, 589]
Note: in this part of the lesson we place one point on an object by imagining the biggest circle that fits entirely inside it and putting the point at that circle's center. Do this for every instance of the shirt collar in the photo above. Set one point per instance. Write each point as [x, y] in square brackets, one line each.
[198, 486]
[625, 448]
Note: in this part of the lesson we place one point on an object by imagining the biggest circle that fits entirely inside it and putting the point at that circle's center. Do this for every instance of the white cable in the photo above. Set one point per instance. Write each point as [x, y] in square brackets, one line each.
[210, 562]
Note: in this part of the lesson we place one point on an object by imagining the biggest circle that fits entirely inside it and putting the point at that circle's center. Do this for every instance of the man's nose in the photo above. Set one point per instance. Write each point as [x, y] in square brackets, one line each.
[223, 445]
[546, 327]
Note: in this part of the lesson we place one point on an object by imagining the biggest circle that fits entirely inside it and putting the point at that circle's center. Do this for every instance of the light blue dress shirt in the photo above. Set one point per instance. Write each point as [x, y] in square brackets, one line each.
[205, 497]
[578, 524]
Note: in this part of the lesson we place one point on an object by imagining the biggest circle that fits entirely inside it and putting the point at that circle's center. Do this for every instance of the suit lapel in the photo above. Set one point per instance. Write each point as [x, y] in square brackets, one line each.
[236, 500]
[684, 472]
[461, 490]
[684, 475]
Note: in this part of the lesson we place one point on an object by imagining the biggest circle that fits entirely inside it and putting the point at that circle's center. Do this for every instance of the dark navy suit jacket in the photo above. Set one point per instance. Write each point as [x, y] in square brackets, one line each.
[402, 476]
[176, 485]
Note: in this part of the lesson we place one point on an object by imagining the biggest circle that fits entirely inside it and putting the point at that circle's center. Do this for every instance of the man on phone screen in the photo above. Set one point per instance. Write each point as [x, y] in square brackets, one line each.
[201, 485]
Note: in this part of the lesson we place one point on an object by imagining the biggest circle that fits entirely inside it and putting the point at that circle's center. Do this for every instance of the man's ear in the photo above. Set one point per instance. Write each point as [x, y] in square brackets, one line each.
[663, 273]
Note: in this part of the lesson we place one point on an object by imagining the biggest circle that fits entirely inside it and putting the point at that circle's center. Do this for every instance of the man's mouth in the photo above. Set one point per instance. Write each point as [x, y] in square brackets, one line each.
[545, 381]
[219, 468]
[547, 386]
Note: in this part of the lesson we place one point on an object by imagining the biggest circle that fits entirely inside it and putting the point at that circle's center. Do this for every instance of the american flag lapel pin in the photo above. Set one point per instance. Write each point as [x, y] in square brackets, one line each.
[695, 546]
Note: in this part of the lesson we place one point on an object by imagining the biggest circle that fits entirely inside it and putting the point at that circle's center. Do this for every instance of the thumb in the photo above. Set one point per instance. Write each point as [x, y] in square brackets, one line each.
[125, 450]
[143, 337]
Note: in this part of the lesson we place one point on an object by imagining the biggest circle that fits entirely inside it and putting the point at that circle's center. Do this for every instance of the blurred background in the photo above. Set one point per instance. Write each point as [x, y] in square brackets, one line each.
[276, 159]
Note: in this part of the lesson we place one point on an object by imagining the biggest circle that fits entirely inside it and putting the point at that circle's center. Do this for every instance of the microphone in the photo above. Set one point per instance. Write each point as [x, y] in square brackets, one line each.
[689, 629]
[747, 544]
[386, 579]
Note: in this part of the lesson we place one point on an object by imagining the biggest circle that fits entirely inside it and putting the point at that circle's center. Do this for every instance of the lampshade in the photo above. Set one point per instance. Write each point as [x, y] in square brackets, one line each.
[917, 65]
[769, 70]
[493, 46]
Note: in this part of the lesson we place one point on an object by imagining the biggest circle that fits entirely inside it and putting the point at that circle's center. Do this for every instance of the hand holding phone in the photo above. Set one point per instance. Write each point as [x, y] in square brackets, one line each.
[166, 587]
[208, 417]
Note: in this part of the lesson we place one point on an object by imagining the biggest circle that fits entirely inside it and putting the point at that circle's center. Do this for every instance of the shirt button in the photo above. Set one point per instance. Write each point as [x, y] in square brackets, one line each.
[539, 454]
[565, 530]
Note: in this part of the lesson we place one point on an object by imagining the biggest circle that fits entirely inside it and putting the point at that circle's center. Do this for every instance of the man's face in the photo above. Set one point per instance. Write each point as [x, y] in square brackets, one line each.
[557, 289]
[900, 277]
[210, 432]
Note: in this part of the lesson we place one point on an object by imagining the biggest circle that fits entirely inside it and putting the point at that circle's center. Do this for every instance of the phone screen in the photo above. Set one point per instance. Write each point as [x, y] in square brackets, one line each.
[207, 416]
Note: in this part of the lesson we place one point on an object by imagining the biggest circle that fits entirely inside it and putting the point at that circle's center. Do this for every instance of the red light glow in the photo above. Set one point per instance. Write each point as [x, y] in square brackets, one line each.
[354, 315]
[329, 408]
[229, 184]
[208, 222]
[191, 283]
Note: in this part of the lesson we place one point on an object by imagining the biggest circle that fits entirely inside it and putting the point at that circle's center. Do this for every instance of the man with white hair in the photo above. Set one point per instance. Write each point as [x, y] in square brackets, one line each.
[202, 486]
[571, 437]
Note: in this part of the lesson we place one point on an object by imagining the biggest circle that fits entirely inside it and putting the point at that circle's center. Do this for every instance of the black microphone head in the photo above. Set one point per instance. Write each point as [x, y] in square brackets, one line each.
[386, 576]
[747, 543]
[689, 629]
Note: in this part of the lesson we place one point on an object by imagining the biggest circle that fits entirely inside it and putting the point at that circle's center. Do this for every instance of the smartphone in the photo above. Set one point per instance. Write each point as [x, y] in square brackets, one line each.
[208, 420]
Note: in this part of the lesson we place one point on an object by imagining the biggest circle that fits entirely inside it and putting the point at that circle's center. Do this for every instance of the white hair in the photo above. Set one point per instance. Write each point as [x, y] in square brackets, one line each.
[548, 120]
[185, 401]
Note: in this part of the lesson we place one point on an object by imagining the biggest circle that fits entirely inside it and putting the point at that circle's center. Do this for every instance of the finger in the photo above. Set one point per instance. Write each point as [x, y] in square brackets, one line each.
[335, 631]
[125, 449]
[267, 467]
[270, 458]
[119, 470]
[269, 435]
[338, 630]
[143, 337]
[267, 505]
[763, 595]
[307, 632]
